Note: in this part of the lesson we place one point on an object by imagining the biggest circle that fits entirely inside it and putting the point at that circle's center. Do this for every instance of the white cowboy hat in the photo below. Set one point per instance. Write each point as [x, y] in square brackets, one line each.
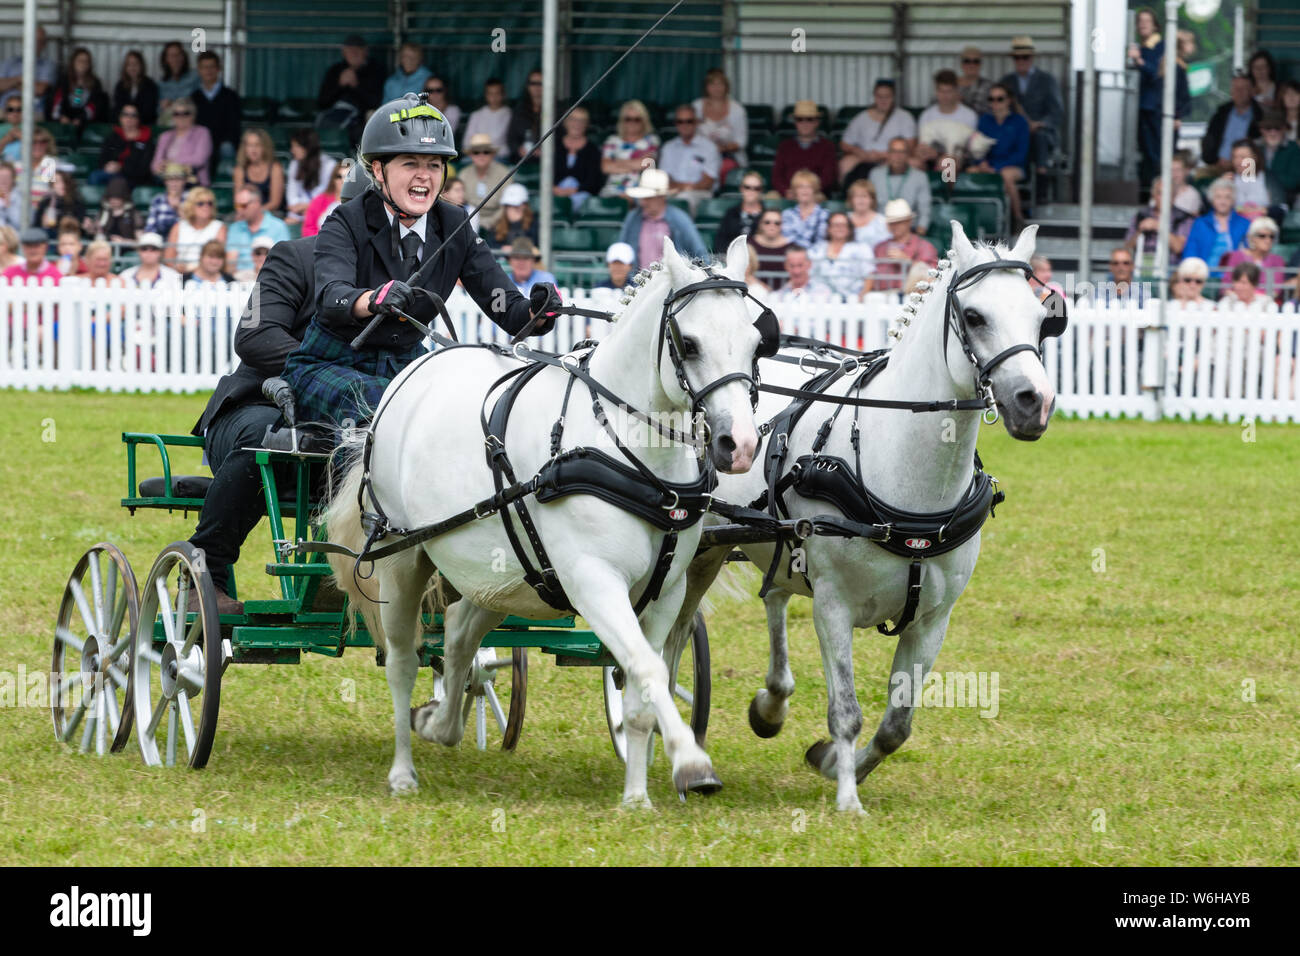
[654, 182]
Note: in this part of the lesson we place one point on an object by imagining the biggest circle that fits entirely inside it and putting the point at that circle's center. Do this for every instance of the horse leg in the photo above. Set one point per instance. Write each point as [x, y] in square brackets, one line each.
[833, 619]
[464, 625]
[401, 583]
[918, 645]
[768, 708]
[597, 592]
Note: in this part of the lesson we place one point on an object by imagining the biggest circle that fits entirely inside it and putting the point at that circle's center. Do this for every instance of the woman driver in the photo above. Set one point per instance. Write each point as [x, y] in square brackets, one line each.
[370, 247]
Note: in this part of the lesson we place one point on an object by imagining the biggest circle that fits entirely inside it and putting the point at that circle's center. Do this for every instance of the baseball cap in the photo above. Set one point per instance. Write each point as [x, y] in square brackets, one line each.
[149, 240]
[263, 242]
[516, 194]
[620, 252]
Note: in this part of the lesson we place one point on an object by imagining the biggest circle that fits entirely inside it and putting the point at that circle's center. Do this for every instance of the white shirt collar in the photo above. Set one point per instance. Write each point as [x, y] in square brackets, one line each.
[416, 227]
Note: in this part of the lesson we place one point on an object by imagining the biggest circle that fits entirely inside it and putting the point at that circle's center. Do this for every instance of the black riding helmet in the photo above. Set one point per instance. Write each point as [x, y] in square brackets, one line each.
[355, 182]
[406, 125]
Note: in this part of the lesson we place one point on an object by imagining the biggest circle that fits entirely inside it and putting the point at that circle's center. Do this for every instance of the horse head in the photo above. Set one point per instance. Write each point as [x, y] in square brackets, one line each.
[997, 323]
[708, 349]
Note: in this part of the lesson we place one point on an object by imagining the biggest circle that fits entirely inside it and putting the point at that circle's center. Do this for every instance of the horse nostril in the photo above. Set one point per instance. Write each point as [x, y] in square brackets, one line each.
[1027, 398]
[726, 444]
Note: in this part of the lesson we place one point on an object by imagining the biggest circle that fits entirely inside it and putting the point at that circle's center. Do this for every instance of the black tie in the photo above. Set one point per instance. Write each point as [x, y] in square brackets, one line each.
[411, 244]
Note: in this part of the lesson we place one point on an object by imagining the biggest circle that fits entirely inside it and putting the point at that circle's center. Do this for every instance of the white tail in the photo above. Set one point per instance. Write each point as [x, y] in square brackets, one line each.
[342, 514]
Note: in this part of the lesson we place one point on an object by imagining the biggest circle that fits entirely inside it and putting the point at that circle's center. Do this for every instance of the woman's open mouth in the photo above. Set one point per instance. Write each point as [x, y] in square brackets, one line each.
[418, 193]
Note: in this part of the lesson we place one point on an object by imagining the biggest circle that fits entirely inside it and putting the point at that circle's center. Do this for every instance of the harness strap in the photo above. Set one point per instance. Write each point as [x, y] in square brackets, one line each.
[667, 551]
[909, 607]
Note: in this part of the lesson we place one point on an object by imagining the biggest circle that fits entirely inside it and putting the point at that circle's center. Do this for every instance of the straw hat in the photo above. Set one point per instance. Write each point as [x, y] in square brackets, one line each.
[522, 248]
[653, 182]
[1022, 45]
[897, 210]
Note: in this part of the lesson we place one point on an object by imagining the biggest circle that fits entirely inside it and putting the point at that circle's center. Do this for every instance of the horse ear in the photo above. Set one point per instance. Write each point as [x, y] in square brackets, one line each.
[738, 258]
[673, 261]
[1024, 249]
[960, 244]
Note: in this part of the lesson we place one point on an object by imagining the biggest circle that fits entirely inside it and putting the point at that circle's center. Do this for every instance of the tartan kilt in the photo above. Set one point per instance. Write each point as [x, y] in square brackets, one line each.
[336, 383]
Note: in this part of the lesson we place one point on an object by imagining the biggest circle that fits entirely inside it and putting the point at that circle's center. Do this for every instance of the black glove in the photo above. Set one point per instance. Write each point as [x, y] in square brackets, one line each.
[392, 296]
[543, 299]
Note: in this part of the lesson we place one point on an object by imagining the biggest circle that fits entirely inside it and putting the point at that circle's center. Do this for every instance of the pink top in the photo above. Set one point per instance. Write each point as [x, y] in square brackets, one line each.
[651, 242]
[1272, 274]
[193, 151]
[317, 211]
[913, 247]
[19, 271]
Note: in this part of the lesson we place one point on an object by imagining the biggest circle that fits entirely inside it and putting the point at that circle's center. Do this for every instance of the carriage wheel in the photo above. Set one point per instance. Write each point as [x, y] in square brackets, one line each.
[486, 697]
[89, 678]
[692, 689]
[176, 660]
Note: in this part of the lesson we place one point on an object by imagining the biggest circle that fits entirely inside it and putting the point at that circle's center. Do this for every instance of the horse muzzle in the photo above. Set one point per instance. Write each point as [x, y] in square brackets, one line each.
[733, 447]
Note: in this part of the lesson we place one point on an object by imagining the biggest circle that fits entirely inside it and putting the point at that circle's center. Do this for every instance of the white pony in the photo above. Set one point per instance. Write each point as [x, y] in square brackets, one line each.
[917, 462]
[428, 463]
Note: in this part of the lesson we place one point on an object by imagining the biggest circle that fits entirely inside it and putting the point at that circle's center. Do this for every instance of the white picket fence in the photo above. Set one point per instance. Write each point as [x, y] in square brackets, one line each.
[1116, 360]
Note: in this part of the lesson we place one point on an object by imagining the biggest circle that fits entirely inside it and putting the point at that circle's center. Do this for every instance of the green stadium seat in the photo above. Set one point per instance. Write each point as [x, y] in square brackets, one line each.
[296, 109]
[712, 210]
[762, 147]
[706, 233]
[280, 137]
[605, 236]
[938, 185]
[603, 207]
[833, 205]
[82, 163]
[259, 109]
[732, 182]
[225, 198]
[92, 196]
[680, 203]
[761, 117]
[335, 141]
[940, 233]
[1291, 226]
[226, 170]
[94, 134]
[845, 114]
[978, 184]
[295, 229]
[565, 238]
[142, 196]
[562, 207]
[64, 136]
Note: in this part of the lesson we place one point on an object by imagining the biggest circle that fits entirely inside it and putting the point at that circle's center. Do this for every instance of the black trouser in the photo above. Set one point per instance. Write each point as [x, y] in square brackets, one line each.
[235, 501]
[1149, 143]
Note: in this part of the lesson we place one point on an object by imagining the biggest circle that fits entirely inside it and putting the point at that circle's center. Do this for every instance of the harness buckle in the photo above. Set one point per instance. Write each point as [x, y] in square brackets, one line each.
[850, 364]
[888, 529]
[676, 500]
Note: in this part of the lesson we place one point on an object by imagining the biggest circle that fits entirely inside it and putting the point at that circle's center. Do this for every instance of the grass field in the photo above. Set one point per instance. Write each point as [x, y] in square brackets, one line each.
[1124, 734]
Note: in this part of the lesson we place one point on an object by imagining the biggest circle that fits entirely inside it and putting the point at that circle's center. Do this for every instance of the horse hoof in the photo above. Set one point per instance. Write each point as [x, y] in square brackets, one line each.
[700, 780]
[404, 784]
[761, 727]
[819, 752]
[415, 714]
[638, 802]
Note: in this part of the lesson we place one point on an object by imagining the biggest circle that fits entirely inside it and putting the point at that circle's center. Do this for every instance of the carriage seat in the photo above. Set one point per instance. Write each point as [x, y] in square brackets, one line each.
[183, 486]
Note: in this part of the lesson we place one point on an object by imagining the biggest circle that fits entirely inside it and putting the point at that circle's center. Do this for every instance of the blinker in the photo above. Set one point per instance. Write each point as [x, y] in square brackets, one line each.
[769, 333]
[1055, 323]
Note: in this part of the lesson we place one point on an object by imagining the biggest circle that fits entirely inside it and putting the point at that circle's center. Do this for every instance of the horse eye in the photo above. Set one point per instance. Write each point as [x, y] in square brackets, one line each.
[690, 348]
[973, 317]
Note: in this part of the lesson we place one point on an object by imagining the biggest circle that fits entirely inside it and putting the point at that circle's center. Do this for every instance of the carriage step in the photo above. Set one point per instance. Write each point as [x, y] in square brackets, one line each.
[290, 570]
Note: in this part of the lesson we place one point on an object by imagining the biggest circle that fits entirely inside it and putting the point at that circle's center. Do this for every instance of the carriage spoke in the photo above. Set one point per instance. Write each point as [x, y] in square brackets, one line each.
[151, 728]
[164, 610]
[684, 695]
[191, 635]
[74, 720]
[152, 656]
[115, 652]
[182, 599]
[110, 599]
[97, 592]
[495, 704]
[79, 596]
[66, 684]
[87, 732]
[114, 717]
[480, 722]
[67, 637]
[171, 735]
[119, 678]
[101, 720]
[119, 614]
[187, 721]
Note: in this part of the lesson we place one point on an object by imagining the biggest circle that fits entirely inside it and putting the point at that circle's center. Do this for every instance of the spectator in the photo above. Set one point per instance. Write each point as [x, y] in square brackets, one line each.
[841, 263]
[10, 202]
[1189, 281]
[492, 119]
[895, 255]
[44, 158]
[150, 273]
[186, 144]
[217, 107]
[62, 201]
[1120, 281]
[1144, 231]
[350, 89]
[198, 225]
[723, 121]
[524, 258]
[692, 162]
[756, 286]
[68, 246]
[808, 149]
[517, 218]
[804, 223]
[1009, 154]
[767, 248]
[799, 284]
[11, 131]
[1294, 266]
[1244, 290]
[625, 152]
[165, 208]
[577, 161]
[256, 166]
[483, 173]
[208, 273]
[945, 128]
[33, 241]
[1261, 241]
[454, 192]
[410, 76]
[898, 179]
[99, 265]
[868, 225]
[973, 88]
[1280, 159]
[178, 80]
[309, 175]
[742, 218]
[618, 260]
[1147, 56]
[127, 151]
[322, 205]
[525, 119]
[866, 141]
[8, 247]
[1249, 181]
[645, 226]
[439, 99]
[1042, 267]
[134, 88]
[1263, 74]
[1289, 104]
[118, 220]
[1186, 196]
[11, 76]
[261, 247]
[918, 272]
[251, 221]
[1039, 97]
[1232, 122]
[79, 97]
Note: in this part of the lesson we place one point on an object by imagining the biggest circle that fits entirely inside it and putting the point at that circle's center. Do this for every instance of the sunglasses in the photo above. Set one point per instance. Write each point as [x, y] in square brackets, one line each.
[204, 202]
[182, 113]
[1120, 262]
[260, 252]
[967, 59]
[128, 113]
[752, 186]
[1266, 235]
[997, 99]
[1022, 56]
[13, 109]
[685, 122]
[633, 119]
[433, 89]
[1193, 281]
[534, 82]
[482, 152]
[805, 119]
[771, 222]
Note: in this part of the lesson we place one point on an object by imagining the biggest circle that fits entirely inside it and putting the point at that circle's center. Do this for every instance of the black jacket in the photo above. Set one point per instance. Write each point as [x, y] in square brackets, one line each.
[732, 225]
[272, 326]
[364, 96]
[222, 115]
[135, 157]
[355, 253]
[145, 99]
[1213, 140]
[586, 166]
